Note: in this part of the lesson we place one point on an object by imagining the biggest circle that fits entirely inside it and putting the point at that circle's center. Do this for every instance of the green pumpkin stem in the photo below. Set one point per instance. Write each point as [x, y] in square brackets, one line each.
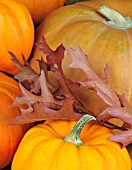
[114, 19]
[74, 136]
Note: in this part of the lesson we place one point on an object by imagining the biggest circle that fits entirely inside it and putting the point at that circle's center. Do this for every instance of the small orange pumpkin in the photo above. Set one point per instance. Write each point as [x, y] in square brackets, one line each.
[129, 148]
[40, 9]
[50, 146]
[10, 135]
[16, 34]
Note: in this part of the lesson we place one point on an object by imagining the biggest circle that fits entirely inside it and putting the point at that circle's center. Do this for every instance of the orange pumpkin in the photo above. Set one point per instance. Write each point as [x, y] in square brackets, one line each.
[16, 33]
[129, 148]
[10, 135]
[40, 9]
[81, 24]
[50, 146]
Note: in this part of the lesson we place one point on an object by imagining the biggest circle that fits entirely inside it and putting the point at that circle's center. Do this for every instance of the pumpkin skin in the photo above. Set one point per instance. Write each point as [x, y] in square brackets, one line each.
[16, 34]
[80, 24]
[129, 148]
[10, 135]
[43, 147]
[40, 9]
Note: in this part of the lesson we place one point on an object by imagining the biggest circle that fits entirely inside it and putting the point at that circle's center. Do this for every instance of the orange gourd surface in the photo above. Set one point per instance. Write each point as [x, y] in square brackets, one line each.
[40, 9]
[81, 24]
[10, 135]
[16, 34]
[43, 147]
[129, 148]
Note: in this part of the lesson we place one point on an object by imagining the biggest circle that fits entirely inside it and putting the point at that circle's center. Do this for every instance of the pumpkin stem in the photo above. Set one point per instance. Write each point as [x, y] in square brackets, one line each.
[74, 136]
[114, 19]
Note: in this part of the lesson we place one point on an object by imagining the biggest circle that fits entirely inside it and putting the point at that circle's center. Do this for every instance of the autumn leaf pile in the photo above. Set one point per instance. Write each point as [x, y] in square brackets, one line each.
[41, 100]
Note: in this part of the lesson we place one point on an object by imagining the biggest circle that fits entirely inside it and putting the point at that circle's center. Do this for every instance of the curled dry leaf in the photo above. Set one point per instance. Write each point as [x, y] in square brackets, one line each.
[93, 81]
[51, 105]
[118, 105]
[30, 98]
[43, 107]
[42, 111]
[123, 137]
[27, 76]
[66, 88]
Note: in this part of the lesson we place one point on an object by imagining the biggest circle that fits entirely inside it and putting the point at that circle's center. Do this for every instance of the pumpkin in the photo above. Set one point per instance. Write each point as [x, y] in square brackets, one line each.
[129, 148]
[50, 146]
[10, 135]
[40, 9]
[104, 42]
[16, 34]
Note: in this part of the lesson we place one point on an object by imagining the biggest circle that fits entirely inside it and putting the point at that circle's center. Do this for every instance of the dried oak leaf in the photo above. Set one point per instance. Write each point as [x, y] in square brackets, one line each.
[125, 114]
[30, 98]
[125, 137]
[46, 106]
[118, 105]
[29, 103]
[43, 107]
[93, 81]
[27, 76]
[42, 112]
[54, 64]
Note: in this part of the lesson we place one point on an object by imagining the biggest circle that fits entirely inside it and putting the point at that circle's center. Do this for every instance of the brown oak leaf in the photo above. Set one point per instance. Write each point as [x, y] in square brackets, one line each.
[27, 76]
[118, 105]
[30, 98]
[67, 88]
[50, 105]
[42, 112]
